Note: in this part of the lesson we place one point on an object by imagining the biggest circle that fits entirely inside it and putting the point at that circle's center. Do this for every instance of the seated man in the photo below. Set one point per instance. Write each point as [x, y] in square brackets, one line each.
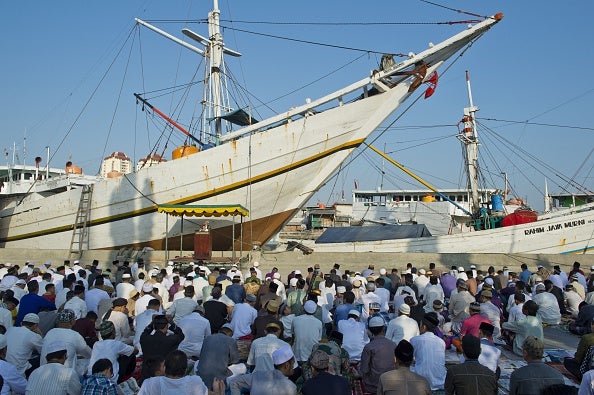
[536, 376]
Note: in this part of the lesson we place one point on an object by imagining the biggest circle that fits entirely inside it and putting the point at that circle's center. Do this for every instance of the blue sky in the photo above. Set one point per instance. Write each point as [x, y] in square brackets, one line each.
[533, 67]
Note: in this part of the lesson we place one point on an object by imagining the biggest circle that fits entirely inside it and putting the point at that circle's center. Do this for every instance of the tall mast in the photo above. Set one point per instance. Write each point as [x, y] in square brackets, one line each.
[215, 49]
[469, 139]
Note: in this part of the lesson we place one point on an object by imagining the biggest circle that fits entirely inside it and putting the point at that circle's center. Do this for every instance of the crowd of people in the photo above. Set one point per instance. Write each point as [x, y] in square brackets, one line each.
[191, 329]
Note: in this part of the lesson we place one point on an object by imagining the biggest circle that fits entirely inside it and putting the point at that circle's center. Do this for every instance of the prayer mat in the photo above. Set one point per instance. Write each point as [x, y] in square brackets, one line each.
[569, 378]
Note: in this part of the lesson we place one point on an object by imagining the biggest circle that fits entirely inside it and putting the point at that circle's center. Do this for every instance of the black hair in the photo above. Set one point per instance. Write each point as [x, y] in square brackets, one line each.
[55, 355]
[176, 363]
[101, 365]
[348, 297]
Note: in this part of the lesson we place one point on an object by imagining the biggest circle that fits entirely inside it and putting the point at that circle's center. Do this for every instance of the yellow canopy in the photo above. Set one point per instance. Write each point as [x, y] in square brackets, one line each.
[203, 210]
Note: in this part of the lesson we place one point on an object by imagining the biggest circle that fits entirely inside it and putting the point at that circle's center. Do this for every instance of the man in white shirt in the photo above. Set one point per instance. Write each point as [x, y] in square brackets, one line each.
[383, 293]
[243, 316]
[402, 327]
[572, 300]
[77, 302]
[548, 307]
[22, 342]
[421, 281]
[124, 288]
[184, 306]
[433, 291]
[281, 291]
[366, 299]
[354, 334]
[14, 382]
[307, 331]
[429, 351]
[19, 289]
[139, 282]
[119, 317]
[10, 303]
[199, 282]
[64, 380]
[260, 356]
[75, 343]
[515, 313]
[113, 349]
[148, 294]
[195, 328]
[95, 295]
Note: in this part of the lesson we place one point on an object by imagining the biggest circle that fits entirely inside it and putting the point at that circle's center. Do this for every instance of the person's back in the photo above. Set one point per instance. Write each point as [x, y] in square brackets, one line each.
[354, 335]
[218, 352]
[429, 352]
[175, 381]
[536, 376]
[470, 377]
[195, 328]
[325, 383]
[548, 308]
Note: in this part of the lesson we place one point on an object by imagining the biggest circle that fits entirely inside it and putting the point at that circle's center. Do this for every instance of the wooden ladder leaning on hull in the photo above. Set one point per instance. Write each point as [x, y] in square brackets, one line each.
[79, 230]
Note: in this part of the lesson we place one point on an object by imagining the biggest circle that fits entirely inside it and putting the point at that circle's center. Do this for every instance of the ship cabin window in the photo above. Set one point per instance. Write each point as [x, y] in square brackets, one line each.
[465, 198]
[398, 198]
[407, 198]
[27, 176]
[452, 198]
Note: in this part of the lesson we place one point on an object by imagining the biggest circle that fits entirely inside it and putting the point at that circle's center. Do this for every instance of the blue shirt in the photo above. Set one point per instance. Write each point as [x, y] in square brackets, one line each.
[342, 312]
[525, 275]
[236, 293]
[32, 303]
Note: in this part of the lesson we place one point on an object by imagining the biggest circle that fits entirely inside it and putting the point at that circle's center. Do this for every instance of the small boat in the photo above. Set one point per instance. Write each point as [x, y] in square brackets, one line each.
[271, 166]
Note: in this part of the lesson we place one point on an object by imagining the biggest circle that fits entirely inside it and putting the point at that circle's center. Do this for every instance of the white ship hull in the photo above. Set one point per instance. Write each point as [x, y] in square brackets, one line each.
[565, 233]
[287, 165]
[272, 168]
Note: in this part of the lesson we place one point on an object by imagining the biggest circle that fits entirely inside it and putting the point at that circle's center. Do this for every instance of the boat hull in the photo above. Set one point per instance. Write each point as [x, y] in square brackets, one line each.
[568, 234]
[272, 173]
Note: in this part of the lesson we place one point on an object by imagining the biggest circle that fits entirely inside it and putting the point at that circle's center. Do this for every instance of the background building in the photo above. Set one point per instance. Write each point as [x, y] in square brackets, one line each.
[117, 162]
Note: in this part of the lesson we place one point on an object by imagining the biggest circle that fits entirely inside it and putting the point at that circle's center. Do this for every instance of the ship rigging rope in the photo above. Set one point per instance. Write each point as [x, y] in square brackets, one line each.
[523, 154]
[404, 111]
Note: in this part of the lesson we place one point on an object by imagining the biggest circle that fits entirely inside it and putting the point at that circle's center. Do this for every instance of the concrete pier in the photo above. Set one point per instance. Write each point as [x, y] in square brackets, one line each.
[286, 261]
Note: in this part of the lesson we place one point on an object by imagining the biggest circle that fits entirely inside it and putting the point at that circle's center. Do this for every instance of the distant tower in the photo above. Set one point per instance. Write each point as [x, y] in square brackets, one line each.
[116, 162]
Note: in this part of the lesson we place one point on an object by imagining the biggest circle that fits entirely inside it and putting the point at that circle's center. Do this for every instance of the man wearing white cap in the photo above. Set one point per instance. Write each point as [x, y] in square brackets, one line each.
[421, 281]
[234, 271]
[22, 342]
[124, 288]
[462, 273]
[281, 291]
[354, 335]
[270, 381]
[64, 380]
[147, 295]
[28, 268]
[307, 331]
[402, 327]
[14, 381]
[19, 289]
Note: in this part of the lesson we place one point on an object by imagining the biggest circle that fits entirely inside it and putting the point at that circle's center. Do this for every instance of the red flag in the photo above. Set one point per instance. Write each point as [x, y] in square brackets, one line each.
[432, 82]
